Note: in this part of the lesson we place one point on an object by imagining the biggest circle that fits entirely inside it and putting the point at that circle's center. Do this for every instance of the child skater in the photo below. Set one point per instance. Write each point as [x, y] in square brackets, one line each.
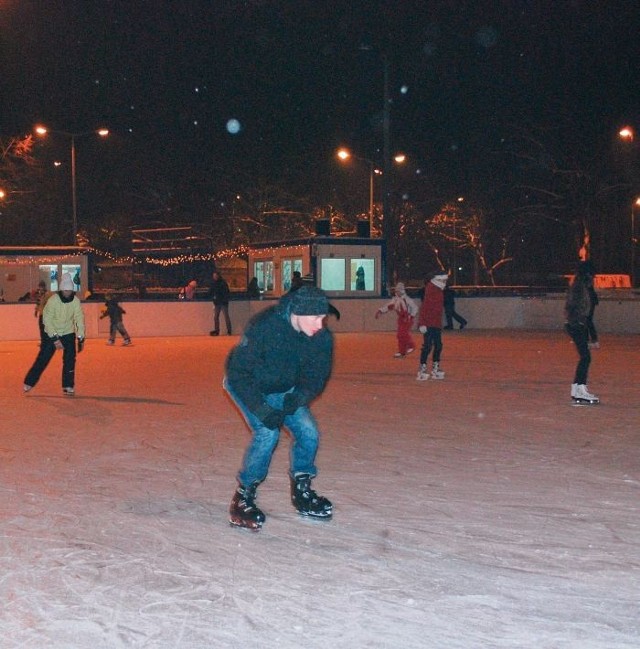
[406, 310]
[115, 312]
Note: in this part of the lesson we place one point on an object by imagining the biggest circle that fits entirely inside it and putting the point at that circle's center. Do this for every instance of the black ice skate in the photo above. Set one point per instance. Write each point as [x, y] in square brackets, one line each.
[243, 511]
[306, 500]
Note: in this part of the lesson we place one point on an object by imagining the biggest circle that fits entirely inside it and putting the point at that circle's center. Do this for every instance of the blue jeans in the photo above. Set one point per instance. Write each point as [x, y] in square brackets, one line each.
[257, 457]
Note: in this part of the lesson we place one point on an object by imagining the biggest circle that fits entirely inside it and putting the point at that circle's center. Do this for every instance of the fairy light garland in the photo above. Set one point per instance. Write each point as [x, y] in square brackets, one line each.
[229, 253]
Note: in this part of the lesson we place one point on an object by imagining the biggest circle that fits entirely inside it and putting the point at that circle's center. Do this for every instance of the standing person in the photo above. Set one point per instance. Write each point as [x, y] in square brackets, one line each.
[406, 309]
[577, 306]
[63, 321]
[296, 280]
[41, 296]
[220, 295]
[430, 326]
[450, 314]
[253, 290]
[114, 312]
[280, 366]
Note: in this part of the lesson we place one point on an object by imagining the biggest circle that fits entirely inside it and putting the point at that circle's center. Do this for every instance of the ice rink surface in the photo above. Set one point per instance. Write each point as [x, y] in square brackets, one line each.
[479, 511]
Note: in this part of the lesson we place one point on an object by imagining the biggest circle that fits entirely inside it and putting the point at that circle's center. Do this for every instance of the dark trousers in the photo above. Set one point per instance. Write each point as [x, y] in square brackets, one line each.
[47, 350]
[451, 315]
[432, 340]
[117, 325]
[580, 335]
[224, 309]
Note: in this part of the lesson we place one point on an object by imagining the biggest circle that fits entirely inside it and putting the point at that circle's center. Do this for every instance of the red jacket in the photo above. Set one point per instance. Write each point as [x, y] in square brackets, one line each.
[432, 307]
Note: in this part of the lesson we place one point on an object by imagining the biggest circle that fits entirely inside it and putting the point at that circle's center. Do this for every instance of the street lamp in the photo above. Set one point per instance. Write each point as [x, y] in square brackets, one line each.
[345, 154]
[635, 204]
[102, 132]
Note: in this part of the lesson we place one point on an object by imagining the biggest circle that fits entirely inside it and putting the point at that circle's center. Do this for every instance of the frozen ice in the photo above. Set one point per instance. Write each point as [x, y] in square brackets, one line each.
[478, 511]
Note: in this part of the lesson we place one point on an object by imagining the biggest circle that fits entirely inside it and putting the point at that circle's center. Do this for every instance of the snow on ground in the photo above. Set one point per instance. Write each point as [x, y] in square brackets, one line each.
[479, 511]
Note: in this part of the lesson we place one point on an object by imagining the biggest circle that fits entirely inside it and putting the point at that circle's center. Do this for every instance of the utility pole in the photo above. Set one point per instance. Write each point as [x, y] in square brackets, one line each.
[389, 229]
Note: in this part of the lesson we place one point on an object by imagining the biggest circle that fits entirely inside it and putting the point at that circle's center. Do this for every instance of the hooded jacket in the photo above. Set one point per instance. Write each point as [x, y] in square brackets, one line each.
[62, 316]
[432, 305]
[272, 357]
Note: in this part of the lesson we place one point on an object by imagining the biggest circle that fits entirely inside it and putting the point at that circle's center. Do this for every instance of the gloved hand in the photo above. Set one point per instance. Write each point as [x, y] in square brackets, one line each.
[57, 343]
[291, 403]
[80, 344]
[422, 329]
[270, 417]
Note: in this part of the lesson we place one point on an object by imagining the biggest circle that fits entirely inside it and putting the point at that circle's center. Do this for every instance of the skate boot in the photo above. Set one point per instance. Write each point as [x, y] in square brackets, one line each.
[306, 500]
[581, 395]
[436, 372]
[422, 373]
[243, 511]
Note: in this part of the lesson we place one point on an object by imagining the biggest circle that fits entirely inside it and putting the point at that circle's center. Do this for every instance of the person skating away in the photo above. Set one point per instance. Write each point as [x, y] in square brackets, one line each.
[220, 295]
[281, 364]
[577, 307]
[64, 325]
[450, 309]
[430, 326]
[114, 312]
[406, 310]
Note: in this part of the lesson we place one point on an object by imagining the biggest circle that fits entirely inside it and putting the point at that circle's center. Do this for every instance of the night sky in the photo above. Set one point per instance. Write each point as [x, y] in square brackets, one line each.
[302, 77]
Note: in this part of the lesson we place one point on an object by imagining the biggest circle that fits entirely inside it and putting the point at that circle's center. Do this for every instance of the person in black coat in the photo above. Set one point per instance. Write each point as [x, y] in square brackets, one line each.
[450, 309]
[282, 363]
[220, 295]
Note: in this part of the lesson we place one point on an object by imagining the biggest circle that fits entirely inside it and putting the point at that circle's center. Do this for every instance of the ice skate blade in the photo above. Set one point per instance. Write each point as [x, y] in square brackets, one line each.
[575, 401]
[316, 516]
[250, 526]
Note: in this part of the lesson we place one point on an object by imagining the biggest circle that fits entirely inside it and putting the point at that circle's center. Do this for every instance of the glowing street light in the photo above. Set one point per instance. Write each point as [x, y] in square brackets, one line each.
[345, 154]
[102, 132]
[626, 133]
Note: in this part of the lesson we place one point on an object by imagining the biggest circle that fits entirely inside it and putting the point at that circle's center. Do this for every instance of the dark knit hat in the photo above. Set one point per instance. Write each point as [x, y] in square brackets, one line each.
[309, 300]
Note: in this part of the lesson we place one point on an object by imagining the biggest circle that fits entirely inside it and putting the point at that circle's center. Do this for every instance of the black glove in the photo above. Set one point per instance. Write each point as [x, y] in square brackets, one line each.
[291, 403]
[270, 417]
[80, 344]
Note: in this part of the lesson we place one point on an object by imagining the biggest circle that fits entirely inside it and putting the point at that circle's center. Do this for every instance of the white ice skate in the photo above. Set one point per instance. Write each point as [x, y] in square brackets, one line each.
[422, 373]
[581, 395]
[436, 372]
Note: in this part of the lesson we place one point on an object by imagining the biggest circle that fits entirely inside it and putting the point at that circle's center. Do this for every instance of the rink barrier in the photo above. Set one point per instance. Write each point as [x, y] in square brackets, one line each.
[173, 318]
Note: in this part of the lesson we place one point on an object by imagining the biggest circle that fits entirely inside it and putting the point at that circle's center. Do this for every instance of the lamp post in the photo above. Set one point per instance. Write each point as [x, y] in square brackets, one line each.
[635, 204]
[102, 132]
[345, 154]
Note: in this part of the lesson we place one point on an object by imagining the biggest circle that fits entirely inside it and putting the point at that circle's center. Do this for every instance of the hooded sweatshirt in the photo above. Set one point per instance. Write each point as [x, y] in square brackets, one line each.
[272, 357]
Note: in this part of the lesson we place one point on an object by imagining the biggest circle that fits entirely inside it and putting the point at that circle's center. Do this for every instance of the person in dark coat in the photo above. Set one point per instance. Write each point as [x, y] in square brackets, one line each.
[220, 294]
[577, 306]
[450, 314]
[282, 363]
